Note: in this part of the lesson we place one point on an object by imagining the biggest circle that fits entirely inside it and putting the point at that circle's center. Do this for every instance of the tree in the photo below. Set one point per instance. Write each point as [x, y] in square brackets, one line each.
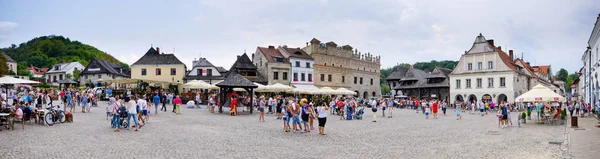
[562, 74]
[570, 81]
[385, 89]
[3, 66]
[69, 76]
[76, 73]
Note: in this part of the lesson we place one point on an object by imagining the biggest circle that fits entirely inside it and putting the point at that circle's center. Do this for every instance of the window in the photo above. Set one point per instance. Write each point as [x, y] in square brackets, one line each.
[479, 82]
[297, 63]
[308, 65]
[468, 83]
[502, 82]
[309, 77]
[457, 83]
[86, 76]
[279, 59]
[284, 76]
[302, 77]
[275, 75]
[361, 80]
[490, 82]
[158, 71]
[199, 72]
[490, 65]
[295, 76]
[174, 71]
[143, 71]
[329, 78]
[343, 79]
[479, 65]
[355, 79]
[322, 77]
[113, 76]
[60, 77]
[208, 72]
[470, 66]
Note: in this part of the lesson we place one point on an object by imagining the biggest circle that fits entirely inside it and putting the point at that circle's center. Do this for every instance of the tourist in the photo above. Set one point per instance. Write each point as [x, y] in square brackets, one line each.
[115, 114]
[18, 117]
[383, 106]
[261, 109]
[156, 100]
[435, 109]
[374, 110]
[474, 106]
[198, 100]
[458, 116]
[322, 117]
[570, 106]
[305, 114]
[286, 116]
[83, 103]
[332, 106]
[340, 108]
[278, 103]
[426, 111]
[417, 102]
[145, 108]
[111, 101]
[311, 115]
[132, 112]
[482, 110]
[296, 116]
[69, 101]
[163, 99]
[503, 115]
[177, 103]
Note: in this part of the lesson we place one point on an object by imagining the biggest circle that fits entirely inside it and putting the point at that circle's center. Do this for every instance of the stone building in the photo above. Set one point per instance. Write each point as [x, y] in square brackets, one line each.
[337, 67]
[301, 66]
[271, 63]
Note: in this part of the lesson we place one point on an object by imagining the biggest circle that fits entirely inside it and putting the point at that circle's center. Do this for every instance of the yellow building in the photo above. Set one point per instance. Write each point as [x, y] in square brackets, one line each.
[158, 67]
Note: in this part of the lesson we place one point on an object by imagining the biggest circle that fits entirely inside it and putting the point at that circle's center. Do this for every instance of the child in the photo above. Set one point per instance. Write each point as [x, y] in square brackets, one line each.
[426, 112]
[458, 116]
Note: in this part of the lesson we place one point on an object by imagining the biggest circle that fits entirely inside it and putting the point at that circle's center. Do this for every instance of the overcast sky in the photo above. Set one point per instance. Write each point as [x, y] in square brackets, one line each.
[401, 31]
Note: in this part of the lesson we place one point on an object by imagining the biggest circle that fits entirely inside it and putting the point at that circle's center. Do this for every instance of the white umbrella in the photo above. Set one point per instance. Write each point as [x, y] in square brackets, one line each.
[260, 87]
[277, 87]
[345, 91]
[12, 80]
[327, 90]
[198, 84]
[304, 89]
[540, 93]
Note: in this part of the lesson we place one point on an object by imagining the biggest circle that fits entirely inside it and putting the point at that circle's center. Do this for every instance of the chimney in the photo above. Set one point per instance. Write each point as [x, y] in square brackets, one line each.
[158, 50]
[426, 70]
[253, 56]
[510, 53]
[271, 47]
[499, 47]
[491, 41]
[528, 64]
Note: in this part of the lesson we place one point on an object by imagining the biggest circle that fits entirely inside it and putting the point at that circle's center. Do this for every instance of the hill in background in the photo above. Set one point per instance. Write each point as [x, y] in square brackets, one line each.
[46, 51]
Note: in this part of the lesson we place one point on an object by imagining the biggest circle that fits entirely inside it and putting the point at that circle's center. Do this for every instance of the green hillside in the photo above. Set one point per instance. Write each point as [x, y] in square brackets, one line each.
[46, 51]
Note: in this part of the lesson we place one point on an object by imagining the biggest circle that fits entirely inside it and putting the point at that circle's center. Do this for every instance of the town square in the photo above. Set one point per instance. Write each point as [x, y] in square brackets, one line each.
[300, 79]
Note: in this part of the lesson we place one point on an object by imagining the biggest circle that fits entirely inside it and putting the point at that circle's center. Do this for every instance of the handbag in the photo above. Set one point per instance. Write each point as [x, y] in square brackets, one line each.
[374, 109]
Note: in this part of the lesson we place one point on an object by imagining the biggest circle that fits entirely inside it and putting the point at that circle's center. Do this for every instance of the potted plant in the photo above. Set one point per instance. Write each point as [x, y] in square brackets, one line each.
[523, 117]
[528, 114]
[563, 116]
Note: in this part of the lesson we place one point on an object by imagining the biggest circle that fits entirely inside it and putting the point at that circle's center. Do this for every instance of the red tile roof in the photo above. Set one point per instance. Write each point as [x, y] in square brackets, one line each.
[37, 71]
[542, 69]
[270, 53]
[526, 67]
[505, 58]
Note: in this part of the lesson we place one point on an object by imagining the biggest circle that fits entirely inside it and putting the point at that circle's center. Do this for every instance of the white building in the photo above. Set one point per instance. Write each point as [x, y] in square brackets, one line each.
[59, 72]
[203, 70]
[98, 70]
[486, 73]
[591, 62]
[301, 65]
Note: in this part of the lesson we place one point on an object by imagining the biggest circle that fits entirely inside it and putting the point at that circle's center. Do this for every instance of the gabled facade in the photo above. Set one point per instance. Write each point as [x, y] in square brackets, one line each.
[10, 62]
[271, 63]
[244, 67]
[591, 63]
[203, 70]
[487, 73]
[36, 71]
[100, 69]
[59, 72]
[420, 84]
[301, 66]
[159, 67]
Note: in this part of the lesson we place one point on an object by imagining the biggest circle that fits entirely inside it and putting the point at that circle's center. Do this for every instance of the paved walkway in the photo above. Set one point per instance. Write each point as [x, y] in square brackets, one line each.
[584, 142]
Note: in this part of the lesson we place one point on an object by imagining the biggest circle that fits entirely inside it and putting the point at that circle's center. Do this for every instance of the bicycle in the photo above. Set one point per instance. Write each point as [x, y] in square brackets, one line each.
[54, 115]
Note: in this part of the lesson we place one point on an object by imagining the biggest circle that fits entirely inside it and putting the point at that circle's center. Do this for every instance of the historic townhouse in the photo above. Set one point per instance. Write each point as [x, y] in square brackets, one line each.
[591, 62]
[158, 67]
[337, 67]
[98, 69]
[301, 66]
[203, 70]
[271, 63]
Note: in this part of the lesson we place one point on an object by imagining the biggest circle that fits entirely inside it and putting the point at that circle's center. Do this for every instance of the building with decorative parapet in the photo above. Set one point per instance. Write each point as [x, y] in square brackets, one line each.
[345, 67]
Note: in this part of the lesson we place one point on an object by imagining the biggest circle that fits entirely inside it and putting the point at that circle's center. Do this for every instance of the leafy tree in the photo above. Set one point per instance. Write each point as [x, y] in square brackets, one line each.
[45, 51]
[385, 89]
[69, 76]
[570, 79]
[3, 66]
[76, 73]
[562, 74]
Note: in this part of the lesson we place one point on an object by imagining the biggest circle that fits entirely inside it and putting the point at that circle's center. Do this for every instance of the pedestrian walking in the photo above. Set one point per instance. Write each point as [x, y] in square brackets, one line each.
[426, 112]
[177, 103]
[156, 100]
[435, 109]
[132, 113]
[261, 109]
[322, 117]
[374, 110]
[458, 116]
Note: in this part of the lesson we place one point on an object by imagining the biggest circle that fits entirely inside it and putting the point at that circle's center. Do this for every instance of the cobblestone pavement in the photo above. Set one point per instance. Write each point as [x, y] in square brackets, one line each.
[583, 141]
[198, 134]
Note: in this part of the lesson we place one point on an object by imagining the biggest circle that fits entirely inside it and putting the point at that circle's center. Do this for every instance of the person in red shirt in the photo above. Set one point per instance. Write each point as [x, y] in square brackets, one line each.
[233, 104]
[417, 105]
[435, 109]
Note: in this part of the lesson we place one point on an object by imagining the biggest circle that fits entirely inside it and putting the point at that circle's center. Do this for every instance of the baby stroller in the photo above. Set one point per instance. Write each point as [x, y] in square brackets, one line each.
[122, 116]
[359, 113]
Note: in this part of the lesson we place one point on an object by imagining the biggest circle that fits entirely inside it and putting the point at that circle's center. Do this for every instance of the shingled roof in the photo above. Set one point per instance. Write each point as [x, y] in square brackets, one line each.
[105, 67]
[236, 80]
[243, 62]
[271, 53]
[8, 59]
[413, 74]
[397, 74]
[203, 62]
[153, 57]
[297, 52]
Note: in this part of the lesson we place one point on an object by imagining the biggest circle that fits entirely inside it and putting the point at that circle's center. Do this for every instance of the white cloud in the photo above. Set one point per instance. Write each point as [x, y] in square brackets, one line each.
[6, 26]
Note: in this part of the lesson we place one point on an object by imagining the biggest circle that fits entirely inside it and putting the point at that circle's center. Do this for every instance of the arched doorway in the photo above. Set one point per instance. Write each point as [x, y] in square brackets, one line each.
[374, 94]
[365, 95]
[357, 94]
[459, 98]
[502, 98]
[486, 98]
[472, 98]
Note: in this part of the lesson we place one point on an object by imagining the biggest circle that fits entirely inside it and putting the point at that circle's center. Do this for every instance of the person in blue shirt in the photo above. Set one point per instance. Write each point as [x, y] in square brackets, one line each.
[69, 101]
[156, 102]
[83, 103]
[504, 113]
